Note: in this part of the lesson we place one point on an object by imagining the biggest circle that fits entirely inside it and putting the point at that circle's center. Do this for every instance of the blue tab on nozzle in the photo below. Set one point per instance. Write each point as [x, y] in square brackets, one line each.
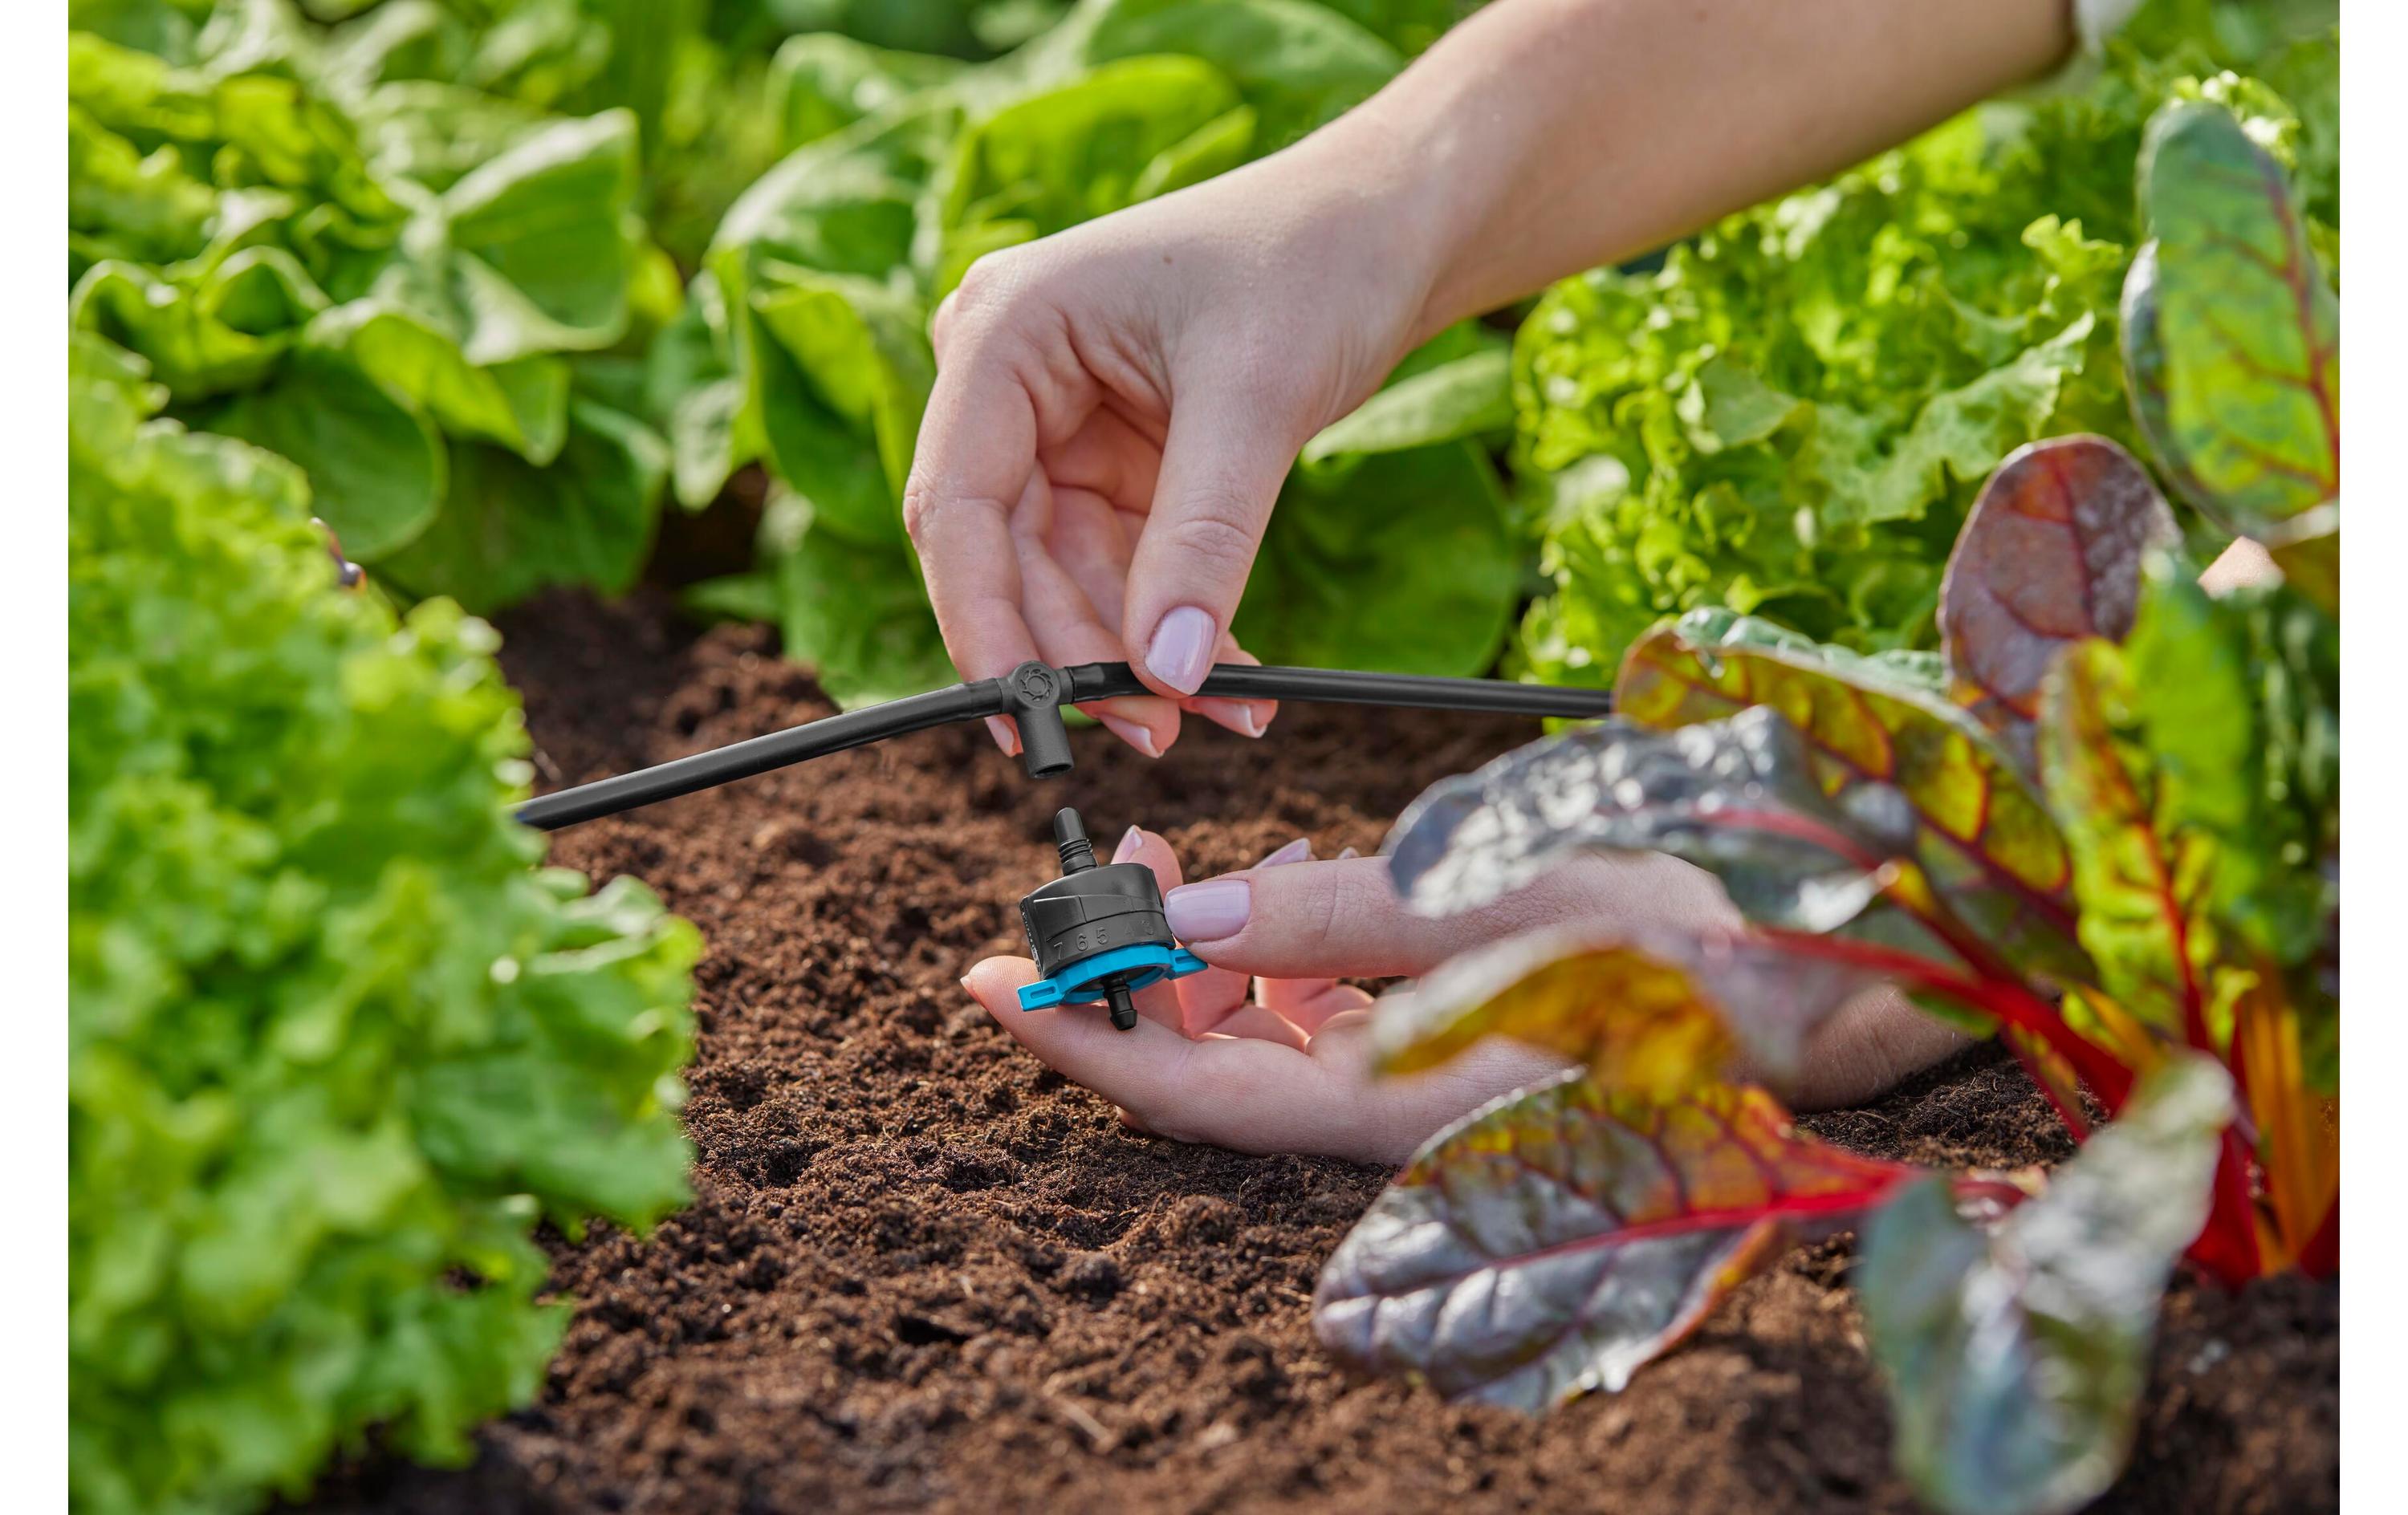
[1080, 983]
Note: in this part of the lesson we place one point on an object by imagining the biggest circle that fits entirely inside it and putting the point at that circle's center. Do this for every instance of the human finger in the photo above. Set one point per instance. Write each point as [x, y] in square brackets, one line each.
[1223, 460]
[1344, 918]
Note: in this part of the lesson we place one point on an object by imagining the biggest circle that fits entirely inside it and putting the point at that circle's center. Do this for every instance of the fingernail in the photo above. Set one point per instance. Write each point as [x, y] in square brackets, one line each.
[1294, 851]
[1234, 715]
[1004, 735]
[1131, 840]
[966, 986]
[1131, 733]
[1345, 852]
[1180, 653]
[1209, 910]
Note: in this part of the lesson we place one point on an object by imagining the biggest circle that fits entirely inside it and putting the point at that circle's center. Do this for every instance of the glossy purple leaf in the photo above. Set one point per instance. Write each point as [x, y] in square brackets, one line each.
[1557, 1239]
[1738, 797]
[2050, 555]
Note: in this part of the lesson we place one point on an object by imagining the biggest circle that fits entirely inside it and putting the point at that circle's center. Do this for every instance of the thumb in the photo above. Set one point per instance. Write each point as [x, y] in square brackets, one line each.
[1223, 461]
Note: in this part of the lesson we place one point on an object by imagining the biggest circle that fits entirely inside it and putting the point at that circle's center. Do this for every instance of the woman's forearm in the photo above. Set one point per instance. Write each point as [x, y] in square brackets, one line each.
[1544, 136]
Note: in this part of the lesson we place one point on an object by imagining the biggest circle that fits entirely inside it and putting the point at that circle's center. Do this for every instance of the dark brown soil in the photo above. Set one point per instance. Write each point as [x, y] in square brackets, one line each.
[924, 1273]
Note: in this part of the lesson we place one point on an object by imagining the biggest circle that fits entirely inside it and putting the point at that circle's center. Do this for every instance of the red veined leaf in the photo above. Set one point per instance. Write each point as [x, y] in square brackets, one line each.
[2016, 1355]
[2091, 1015]
[1985, 854]
[2006, 1000]
[1560, 1237]
[2050, 554]
[2231, 336]
[1738, 799]
[1653, 1012]
[2143, 879]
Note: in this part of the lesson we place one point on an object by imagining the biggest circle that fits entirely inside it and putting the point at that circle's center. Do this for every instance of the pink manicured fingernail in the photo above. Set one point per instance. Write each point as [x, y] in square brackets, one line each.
[1233, 715]
[1209, 910]
[1180, 653]
[1004, 735]
[1345, 852]
[1131, 840]
[1294, 851]
[1131, 733]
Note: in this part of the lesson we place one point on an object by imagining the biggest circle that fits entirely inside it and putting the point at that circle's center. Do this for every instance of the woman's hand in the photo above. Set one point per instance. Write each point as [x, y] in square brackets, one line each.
[1114, 410]
[1115, 406]
[1267, 1051]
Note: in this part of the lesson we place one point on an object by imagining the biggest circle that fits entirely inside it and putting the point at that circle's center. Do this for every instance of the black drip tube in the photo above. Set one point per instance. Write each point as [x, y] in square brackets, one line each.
[1034, 696]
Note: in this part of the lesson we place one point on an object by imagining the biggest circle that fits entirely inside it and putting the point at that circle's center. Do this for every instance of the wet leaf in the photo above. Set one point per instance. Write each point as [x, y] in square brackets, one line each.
[2051, 553]
[1981, 842]
[1557, 1239]
[2016, 1357]
[1655, 1013]
[2231, 336]
[1737, 797]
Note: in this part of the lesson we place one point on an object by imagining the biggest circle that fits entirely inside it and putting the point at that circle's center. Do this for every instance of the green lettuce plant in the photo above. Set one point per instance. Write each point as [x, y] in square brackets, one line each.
[336, 1045]
[1791, 415]
[407, 287]
[2104, 826]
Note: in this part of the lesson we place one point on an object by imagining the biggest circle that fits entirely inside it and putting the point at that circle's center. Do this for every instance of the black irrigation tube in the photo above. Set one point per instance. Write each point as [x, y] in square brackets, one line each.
[1033, 695]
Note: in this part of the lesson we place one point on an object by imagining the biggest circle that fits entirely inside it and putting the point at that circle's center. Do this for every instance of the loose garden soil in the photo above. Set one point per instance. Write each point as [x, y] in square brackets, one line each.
[920, 1272]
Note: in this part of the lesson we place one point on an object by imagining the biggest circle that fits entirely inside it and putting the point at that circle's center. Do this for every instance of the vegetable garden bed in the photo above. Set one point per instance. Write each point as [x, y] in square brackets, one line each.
[925, 1272]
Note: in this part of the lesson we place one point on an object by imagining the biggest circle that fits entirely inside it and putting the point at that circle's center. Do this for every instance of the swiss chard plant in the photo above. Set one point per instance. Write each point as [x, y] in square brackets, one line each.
[2103, 824]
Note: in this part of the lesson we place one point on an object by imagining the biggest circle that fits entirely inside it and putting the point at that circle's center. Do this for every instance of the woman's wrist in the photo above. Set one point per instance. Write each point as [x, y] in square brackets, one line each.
[1382, 203]
[1544, 136]
[1435, 155]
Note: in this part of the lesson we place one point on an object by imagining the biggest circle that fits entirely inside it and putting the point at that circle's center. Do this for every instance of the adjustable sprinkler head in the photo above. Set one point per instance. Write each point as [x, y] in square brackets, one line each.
[1097, 933]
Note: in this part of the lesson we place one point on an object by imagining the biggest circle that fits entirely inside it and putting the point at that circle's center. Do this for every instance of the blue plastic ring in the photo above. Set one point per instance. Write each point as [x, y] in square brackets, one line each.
[1145, 963]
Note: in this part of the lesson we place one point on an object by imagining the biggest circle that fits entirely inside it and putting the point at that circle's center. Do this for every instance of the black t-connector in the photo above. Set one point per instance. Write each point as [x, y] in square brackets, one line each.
[1036, 692]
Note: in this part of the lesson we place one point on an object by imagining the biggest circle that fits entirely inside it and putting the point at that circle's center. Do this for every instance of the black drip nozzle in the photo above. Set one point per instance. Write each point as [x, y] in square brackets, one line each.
[1092, 909]
[1070, 842]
